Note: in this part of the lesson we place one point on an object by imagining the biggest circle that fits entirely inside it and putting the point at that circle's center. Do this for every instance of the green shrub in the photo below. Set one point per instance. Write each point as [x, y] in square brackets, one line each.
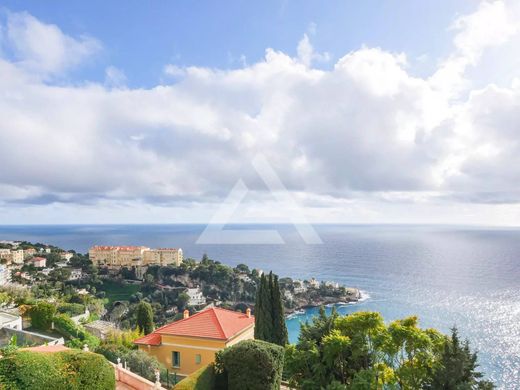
[112, 351]
[72, 309]
[64, 325]
[138, 361]
[41, 315]
[93, 370]
[68, 370]
[252, 365]
[76, 334]
[202, 379]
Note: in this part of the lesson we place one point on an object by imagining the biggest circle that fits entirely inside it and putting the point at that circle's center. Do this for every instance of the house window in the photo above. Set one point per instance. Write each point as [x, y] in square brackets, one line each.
[198, 359]
[176, 359]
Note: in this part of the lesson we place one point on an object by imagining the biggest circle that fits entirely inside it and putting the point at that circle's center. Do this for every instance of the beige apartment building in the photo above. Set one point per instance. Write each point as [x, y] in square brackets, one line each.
[130, 256]
[12, 256]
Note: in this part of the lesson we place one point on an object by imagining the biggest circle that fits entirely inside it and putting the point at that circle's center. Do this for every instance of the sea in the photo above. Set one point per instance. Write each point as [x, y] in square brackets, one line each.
[467, 277]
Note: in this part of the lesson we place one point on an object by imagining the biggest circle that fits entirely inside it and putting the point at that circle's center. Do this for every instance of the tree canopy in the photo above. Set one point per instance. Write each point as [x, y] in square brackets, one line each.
[145, 317]
[360, 352]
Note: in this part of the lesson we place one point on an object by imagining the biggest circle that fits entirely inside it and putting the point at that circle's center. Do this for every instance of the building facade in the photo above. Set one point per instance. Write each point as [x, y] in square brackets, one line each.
[12, 256]
[185, 346]
[114, 257]
[5, 275]
[196, 297]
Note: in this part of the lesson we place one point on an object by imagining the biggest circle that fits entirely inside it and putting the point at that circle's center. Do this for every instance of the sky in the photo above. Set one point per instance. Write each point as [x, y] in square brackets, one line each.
[162, 112]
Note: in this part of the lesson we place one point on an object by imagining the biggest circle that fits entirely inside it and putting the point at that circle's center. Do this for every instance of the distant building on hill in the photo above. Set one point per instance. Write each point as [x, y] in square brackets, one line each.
[115, 257]
[186, 345]
[196, 297]
[11, 256]
[38, 262]
[66, 256]
[5, 275]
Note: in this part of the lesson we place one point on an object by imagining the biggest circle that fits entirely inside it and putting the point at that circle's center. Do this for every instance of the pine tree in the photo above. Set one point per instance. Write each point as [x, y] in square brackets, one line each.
[458, 367]
[145, 318]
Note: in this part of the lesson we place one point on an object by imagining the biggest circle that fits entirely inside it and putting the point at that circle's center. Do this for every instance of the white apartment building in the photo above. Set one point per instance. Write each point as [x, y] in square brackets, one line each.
[5, 275]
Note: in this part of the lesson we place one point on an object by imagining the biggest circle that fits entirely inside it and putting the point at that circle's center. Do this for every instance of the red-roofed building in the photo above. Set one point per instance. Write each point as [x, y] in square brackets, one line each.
[188, 344]
[38, 262]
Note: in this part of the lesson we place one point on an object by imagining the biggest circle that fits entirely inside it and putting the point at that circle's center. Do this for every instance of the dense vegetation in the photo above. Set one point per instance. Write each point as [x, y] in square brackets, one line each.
[360, 352]
[145, 318]
[202, 379]
[269, 312]
[250, 365]
[68, 370]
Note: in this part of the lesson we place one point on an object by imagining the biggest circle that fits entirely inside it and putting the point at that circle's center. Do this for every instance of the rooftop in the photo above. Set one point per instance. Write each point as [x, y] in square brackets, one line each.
[212, 323]
[119, 248]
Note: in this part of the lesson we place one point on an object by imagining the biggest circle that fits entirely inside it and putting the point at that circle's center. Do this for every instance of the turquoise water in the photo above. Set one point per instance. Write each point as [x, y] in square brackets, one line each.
[469, 277]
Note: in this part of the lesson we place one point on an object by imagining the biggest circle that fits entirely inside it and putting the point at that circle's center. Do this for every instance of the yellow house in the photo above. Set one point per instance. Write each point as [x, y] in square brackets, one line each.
[185, 346]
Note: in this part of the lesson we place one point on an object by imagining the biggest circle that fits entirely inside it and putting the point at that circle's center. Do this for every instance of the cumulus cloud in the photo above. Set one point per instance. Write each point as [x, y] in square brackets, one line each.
[42, 48]
[365, 129]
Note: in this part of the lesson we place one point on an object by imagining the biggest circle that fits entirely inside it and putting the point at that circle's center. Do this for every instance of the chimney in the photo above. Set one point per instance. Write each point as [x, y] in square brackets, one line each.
[248, 312]
[186, 313]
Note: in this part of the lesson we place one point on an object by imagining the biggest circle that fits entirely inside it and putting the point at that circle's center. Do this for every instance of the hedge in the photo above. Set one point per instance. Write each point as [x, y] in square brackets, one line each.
[138, 361]
[78, 336]
[251, 365]
[202, 379]
[67, 370]
[41, 315]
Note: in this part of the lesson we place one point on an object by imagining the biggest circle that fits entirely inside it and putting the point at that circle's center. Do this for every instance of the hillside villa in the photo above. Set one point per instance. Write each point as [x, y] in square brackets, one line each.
[186, 345]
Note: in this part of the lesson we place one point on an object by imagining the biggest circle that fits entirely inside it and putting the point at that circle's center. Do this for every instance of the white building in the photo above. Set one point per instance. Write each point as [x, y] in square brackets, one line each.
[314, 283]
[5, 275]
[10, 321]
[75, 274]
[66, 256]
[299, 287]
[332, 284]
[196, 297]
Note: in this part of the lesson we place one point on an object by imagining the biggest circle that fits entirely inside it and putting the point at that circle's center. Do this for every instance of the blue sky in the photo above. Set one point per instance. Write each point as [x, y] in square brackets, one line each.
[140, 37]
[366, 111]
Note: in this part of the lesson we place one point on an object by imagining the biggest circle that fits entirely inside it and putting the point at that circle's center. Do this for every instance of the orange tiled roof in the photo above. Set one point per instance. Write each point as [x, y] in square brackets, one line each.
[213, 323]
[110, 247]
[150, 339]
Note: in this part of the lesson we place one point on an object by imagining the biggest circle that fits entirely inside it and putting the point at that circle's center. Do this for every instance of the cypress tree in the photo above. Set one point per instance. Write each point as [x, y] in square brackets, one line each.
[267, 308]
[280, 329]
[259, 313]
[269, 313]
[145, 317]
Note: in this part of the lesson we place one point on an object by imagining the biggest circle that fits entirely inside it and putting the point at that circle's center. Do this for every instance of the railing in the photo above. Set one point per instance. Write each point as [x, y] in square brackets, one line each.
[133, 380]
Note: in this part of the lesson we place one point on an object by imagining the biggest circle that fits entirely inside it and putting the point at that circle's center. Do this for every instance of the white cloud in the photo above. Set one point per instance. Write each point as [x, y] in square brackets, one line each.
[115, 77]
[365, 137]
[44, 48]
[306, 53]
[491, 25]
